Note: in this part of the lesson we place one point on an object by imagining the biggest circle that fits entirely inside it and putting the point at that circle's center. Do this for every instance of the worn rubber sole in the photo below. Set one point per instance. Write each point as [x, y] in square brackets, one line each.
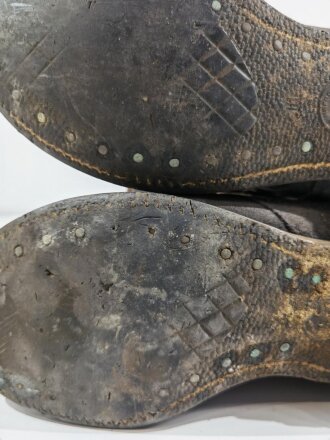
[188, 97]
[124, 310]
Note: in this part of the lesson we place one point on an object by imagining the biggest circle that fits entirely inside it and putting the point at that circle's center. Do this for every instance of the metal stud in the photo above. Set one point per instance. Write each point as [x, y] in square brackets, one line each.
[289, 273]
[70, 137]
[306, 56]
[285, 347]
[246, 27]
[277, 150]
[278, 45]
[255, 353]
[257, 264]
[18, 251]
[246, 155]
[226, 254]
[216, 5]
[103, 150]
[16, 95]
[138, 158]
[80, 233]
[41, 117]
[307, 147]
[316, 279]
[194, 378]
[47, 239]
[164, 393]
[227, 363]
[174, 163]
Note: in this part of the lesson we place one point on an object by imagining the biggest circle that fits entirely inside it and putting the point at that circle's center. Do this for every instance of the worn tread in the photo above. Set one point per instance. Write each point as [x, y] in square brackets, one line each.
[123, 310]
[204, 100]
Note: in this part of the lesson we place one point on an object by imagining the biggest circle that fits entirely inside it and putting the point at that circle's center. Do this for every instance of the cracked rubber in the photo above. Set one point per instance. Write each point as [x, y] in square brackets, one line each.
[124, 310]
[170, 96]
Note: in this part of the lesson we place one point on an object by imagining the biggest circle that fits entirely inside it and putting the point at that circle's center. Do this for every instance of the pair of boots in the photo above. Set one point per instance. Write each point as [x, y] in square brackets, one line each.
[123, 310]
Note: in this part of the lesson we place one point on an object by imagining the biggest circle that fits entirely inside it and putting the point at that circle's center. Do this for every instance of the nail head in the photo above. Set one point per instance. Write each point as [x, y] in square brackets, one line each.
[257, 264]
[306, 56]
[164, 393]
[194, 378]
[316, 279]
[227, 363]
[19, 251]
[226, 254]
[278, 45]
[47, 239]
[103, 149]
[255, 353]
[41, 117]
[246, 27]
[70, 137]
[277, 150]
[80, 233]
[289, 273]
[285, 347]
[138, 158]
[216, 5]
[174, 163]
[307, 147]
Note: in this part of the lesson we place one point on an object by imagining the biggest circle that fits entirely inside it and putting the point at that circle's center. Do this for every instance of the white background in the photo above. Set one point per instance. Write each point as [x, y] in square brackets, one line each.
[29, 179]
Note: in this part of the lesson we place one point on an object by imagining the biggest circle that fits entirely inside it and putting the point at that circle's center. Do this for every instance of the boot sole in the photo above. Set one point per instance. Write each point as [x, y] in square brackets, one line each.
[124, 310]
[190, 97]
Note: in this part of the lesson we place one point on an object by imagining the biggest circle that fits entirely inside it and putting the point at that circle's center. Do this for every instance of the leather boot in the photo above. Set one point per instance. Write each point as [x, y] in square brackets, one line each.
[124, 310]
[197, 96]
